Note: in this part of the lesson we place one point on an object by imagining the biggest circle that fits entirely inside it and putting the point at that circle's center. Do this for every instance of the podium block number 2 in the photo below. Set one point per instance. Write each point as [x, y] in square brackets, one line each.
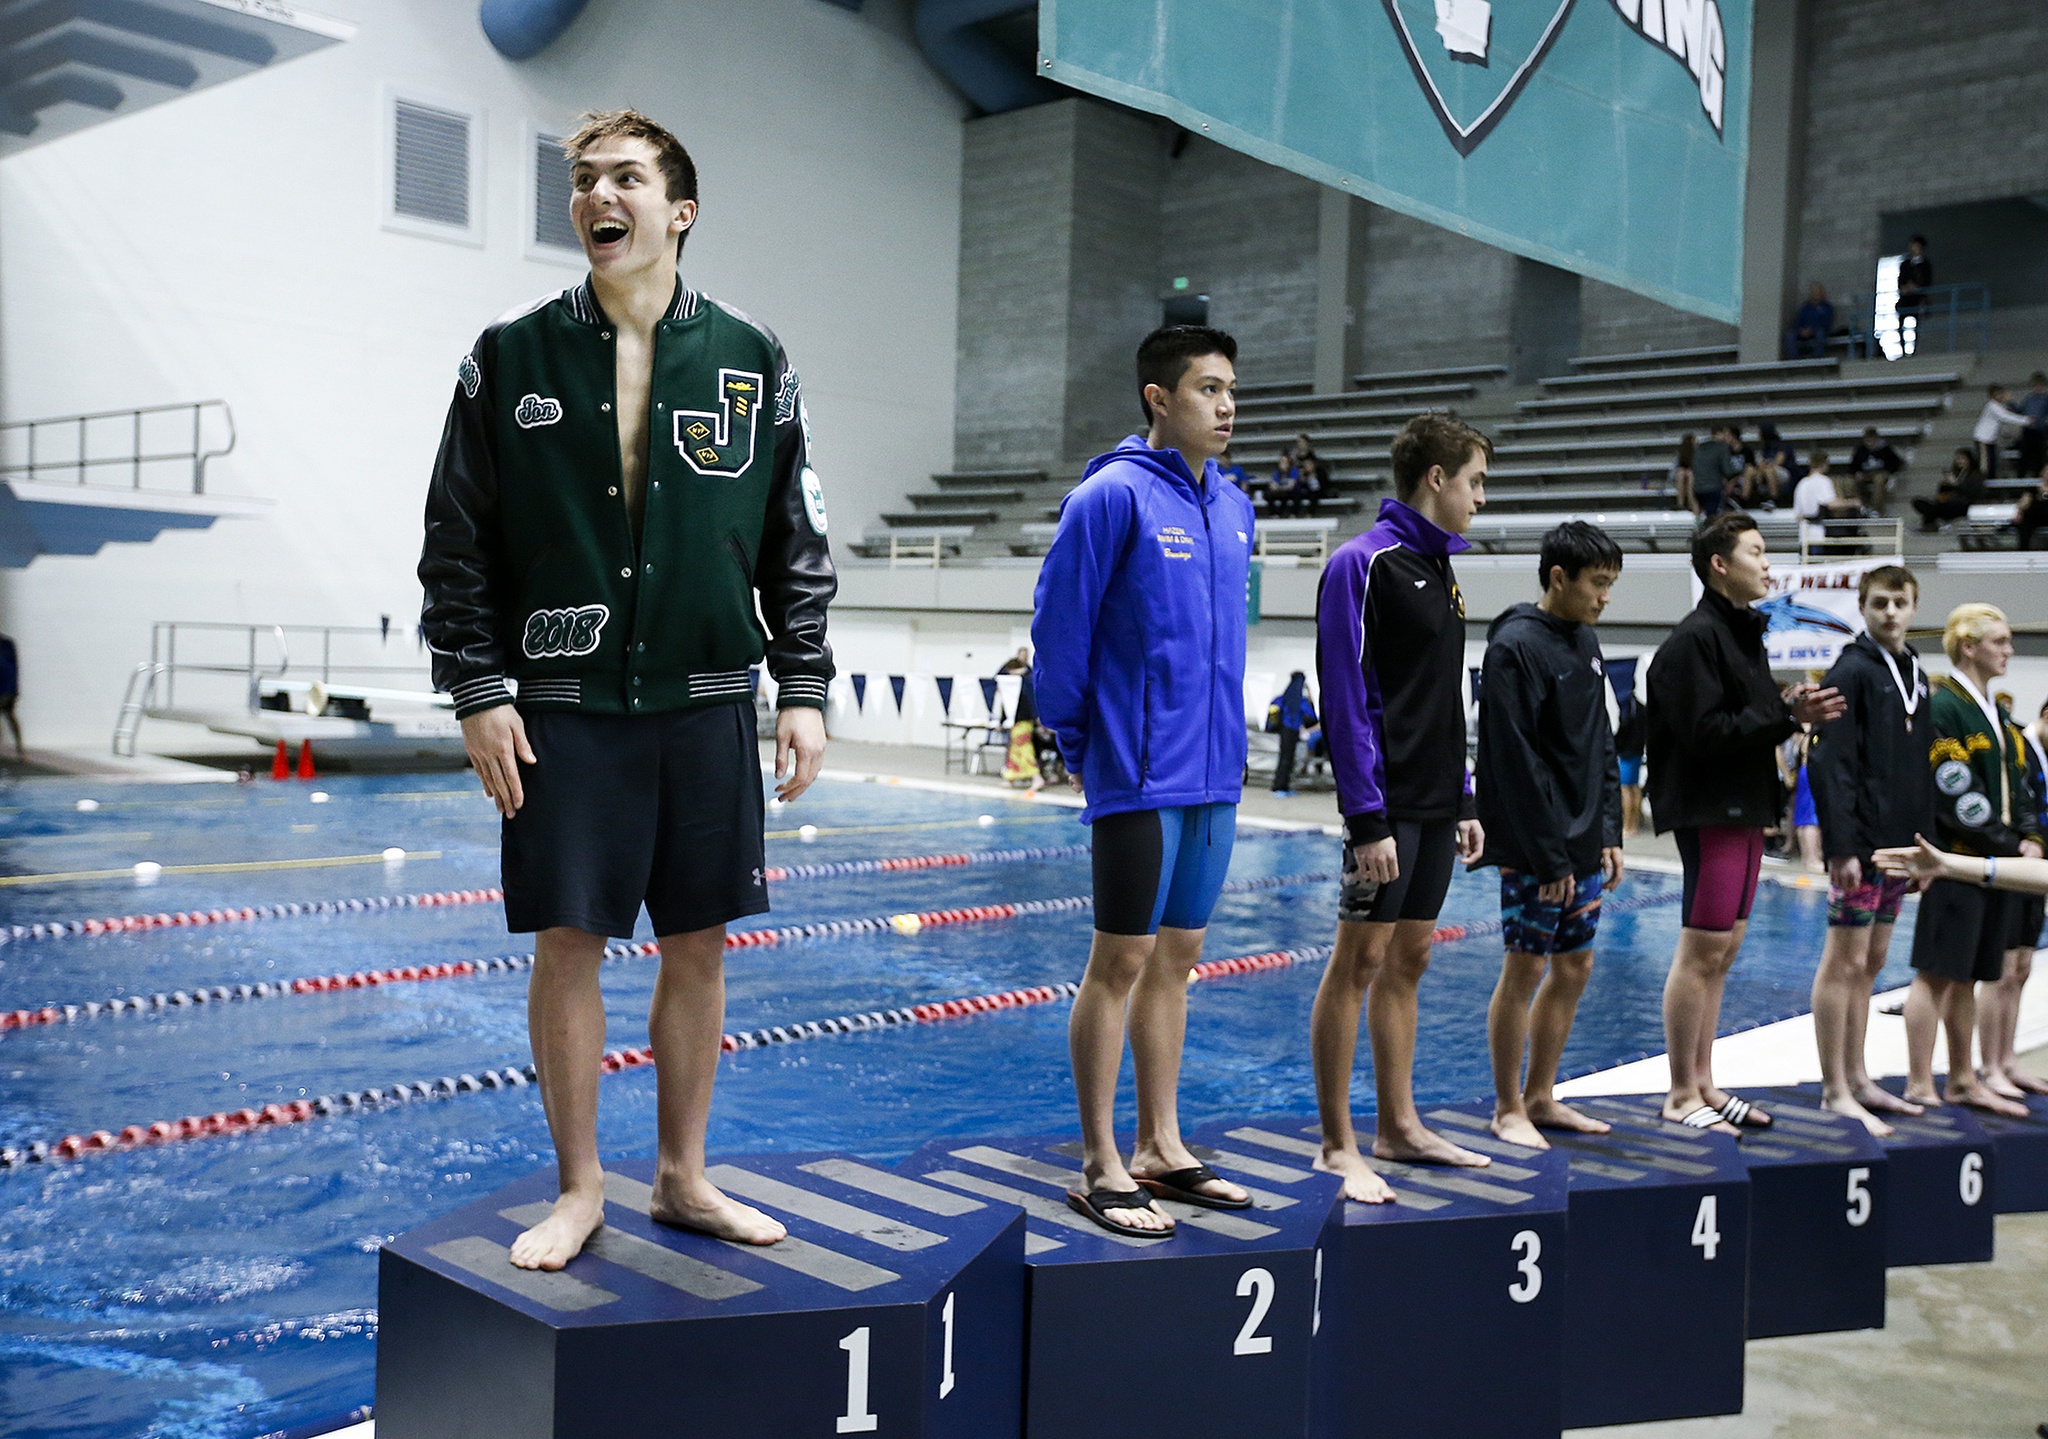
[857, 1419]
[1258, 1283]
[1706, 1227]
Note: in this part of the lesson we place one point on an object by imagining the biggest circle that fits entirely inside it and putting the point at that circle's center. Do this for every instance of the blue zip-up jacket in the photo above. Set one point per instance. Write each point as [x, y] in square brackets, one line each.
[1139, 626]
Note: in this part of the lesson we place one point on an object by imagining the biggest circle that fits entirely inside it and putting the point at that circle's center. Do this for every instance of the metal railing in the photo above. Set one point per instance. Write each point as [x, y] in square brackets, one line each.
[1953, 317]
[1845, 539]
[76, 447]
[257, 656]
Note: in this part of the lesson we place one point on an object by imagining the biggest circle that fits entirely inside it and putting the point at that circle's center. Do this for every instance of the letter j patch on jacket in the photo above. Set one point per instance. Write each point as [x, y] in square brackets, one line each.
[537, 410]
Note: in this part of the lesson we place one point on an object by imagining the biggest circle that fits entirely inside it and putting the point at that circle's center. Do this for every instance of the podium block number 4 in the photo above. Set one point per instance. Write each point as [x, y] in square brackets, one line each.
[1969, 1183]
[1258, 1283]
[1529, 1245]
[1706, 1227]
[1859, 1197]
[857, 1419]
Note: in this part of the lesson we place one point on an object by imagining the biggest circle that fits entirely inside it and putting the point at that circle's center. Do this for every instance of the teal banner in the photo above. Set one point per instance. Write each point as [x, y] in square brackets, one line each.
[1607, 137]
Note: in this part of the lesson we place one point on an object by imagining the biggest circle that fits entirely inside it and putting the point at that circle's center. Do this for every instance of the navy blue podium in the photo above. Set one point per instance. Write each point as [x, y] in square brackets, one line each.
[1208, 1329]
[893, 1308]
[2022, 1146]
[1943, 1191]
[1818, 1211]
[1465, 1263]
[1656, 1303]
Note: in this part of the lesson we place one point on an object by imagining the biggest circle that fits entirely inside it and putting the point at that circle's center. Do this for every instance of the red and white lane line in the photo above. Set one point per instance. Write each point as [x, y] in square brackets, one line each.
[243, 914]
[907, 924]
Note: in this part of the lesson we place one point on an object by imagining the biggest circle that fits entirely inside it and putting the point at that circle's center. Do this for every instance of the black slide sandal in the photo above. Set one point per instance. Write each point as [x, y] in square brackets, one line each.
[1180, 1185]
[1096, 1202]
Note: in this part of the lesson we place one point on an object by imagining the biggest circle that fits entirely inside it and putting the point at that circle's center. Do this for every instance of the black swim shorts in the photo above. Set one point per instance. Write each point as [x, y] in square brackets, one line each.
[1961, 932]
[664, 810]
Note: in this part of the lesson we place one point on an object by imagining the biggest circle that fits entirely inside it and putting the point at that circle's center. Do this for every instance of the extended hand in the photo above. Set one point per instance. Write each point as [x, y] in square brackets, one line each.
[1920, 861]
[799, 749]
[1817, 706]
[496, 741]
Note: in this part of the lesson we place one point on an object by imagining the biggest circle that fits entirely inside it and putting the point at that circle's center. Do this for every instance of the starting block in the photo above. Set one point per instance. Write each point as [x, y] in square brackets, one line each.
[1488, 1249]
[893, 1307]
[1818, 1210]
[2022, 1146]
[1659, 1268]
[1943, 1192]
[1212, 1324]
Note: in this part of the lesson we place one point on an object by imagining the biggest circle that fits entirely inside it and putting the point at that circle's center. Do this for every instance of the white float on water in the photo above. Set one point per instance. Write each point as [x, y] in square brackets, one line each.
[394, 855]
[319, 796]
[808, 833]
[87, 806]
[986, 820]
[148, 870]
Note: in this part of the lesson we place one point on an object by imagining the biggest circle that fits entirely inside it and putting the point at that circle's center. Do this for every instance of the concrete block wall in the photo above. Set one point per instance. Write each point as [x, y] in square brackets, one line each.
[1432, 297]
[1614, 321]
[1113, 296]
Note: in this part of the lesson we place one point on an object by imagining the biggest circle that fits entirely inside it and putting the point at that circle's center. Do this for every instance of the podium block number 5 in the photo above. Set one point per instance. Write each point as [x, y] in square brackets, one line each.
[1258, 1283]
[1706, 1227]
[857, 1419]
[1529, 1245]
[1969, 1183]
[1859, 1197]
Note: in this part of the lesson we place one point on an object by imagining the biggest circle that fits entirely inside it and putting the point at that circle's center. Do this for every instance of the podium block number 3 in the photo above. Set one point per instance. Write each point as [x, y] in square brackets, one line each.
[1706, 1227]
[857, 1419]
[1257, 1283]
[1529, 1246]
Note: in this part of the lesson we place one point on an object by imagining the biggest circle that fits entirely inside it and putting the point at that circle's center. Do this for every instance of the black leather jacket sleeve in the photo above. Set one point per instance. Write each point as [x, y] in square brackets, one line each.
[794, 575]
[459, 562]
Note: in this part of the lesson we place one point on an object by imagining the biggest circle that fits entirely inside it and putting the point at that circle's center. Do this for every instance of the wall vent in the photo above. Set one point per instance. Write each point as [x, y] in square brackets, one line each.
[551, 225]
[430, 164]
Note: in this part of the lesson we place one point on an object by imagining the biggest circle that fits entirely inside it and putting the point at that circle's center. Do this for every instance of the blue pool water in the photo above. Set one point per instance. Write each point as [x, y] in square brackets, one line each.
[220, 1288]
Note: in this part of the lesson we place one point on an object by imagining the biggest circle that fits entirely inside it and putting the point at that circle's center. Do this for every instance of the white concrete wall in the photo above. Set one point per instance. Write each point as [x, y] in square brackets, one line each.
[230, 245]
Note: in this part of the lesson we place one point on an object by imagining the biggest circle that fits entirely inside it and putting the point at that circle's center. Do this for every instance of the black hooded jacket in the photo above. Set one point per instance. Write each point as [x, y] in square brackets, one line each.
[1716, 718]
[1872, 785]
[1548, 790]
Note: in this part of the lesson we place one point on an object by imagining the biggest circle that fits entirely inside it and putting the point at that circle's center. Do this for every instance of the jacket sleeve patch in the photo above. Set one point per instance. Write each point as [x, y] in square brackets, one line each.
[471, 377]
[814, 499]
[1952, 777]
[554, 633]
[788, 395]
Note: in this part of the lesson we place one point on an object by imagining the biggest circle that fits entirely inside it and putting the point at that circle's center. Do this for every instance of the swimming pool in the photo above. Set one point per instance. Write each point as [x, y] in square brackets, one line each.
[220, 1287]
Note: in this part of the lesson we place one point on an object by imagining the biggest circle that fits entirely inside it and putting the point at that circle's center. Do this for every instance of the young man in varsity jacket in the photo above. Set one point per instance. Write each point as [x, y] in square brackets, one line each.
[1390, 661]
[1872, 791]
[624, 473]
[1984, 806]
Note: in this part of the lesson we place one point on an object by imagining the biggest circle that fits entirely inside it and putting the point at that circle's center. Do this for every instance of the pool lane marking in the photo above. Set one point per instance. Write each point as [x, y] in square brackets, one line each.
[905, 924]
[775, 874]
[822, 830]
[518, 1077]
[232, 867]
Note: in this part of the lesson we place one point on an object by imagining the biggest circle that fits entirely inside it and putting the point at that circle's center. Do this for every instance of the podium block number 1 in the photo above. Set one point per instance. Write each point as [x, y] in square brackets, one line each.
[946, 1372]
[857, 1419]
[1258, 1283]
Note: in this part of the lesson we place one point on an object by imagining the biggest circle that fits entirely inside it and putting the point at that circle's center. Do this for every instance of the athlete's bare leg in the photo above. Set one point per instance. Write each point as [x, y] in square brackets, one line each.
[1692, 1007]
[1841, 993]
[1998, 1025]
[1159, 1027]
[565, 1022]
[1933, 1005]
[1507, 1036]
[684, 1027]
[1872, 1095]
[1355, 963]
[1095, 1040]
[1550, 1028]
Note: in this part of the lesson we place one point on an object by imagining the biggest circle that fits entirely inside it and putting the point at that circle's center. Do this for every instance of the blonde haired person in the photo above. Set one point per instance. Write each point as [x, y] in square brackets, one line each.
[1984, 808]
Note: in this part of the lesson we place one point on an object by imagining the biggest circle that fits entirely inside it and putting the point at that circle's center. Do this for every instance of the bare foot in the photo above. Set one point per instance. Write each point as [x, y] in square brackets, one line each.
[2027, 1083]
[1425, 1147]
[1849, 1108]
[1117, 1179]
[1976, 1096]
[1555, 1114]
[703, 1207]
[1879, 1100]
[1149, 1163]
[1518, 1129]
[1362, 1185]
[1676, 1114]
[561, 1236]
[2004, 1088]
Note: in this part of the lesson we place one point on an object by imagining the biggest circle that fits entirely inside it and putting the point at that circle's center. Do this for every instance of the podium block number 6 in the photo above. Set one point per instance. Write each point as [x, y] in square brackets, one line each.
[857, 1419]
[1969, 1183]
[1859, 1197]
[1706, 1227]
[1528, 1244]
[1258, 1283]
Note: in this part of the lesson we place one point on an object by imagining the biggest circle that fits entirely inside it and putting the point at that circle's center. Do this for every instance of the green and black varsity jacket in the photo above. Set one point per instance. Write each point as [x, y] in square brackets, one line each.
[1985, 803]
[531, 568]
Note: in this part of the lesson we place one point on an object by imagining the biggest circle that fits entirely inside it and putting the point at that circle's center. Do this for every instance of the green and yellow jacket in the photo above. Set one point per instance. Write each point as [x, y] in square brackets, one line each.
[533, 571]
[1984, 800]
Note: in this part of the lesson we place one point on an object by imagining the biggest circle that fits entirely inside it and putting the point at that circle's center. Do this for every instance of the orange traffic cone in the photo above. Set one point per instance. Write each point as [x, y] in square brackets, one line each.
[278, 768]
[305, 759]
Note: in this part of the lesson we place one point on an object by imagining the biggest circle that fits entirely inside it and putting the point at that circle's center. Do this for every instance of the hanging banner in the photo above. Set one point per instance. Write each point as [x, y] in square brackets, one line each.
[1621, 677]
[988, 694]
[945, 684]
[896, 685]
[1811, 611]
[1608, 137]
[860, 693]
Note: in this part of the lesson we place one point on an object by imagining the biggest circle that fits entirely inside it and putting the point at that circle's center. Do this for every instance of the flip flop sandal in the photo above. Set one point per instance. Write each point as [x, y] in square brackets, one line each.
[1742, 1114]
[1097, 1202]
[1705, 1117]
[1181, 1184]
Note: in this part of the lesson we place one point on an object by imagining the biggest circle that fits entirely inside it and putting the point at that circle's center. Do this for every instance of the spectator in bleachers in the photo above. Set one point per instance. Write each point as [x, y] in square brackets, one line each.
[2031, 513]
[1291, 715]
[1992, 423]
[1232, 471]
[1681, 472]
[1812, 325]
[1916, 276]
[1818, 500]
[1716, 466]
[1873, 463]
[1960, 488]
[1285, 486]
[2034, 438]
[1775, 471]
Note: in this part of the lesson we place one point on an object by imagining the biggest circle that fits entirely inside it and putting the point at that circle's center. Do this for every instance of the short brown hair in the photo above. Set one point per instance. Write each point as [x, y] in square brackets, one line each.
[678, 170]
[1436, 437]
[1887, 577]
